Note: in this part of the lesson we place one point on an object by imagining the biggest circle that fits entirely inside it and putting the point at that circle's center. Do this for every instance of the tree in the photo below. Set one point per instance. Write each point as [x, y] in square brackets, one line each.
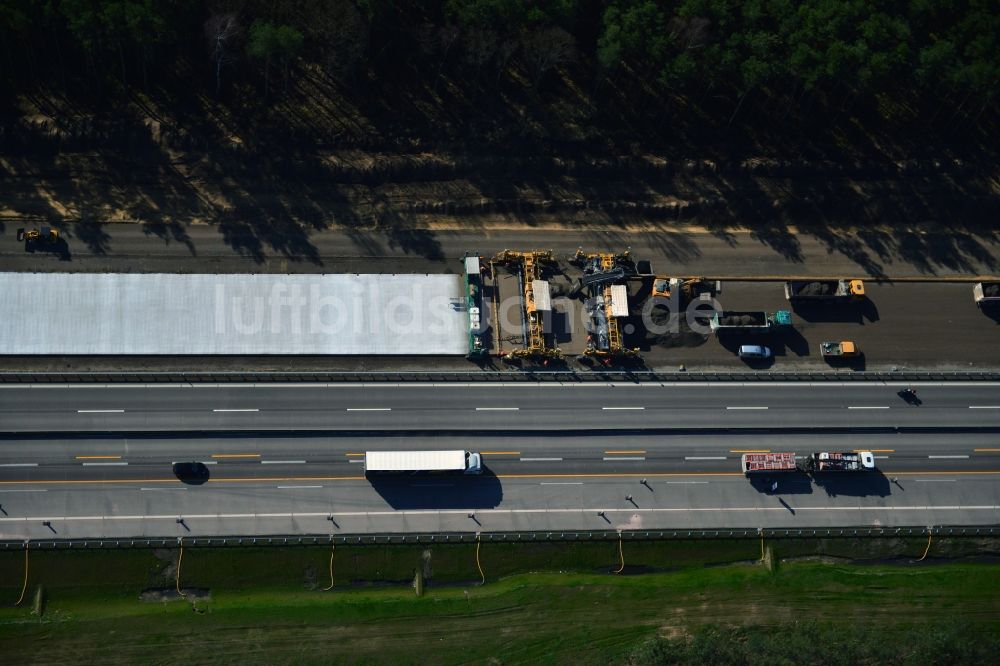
[546, 48]
[221, 30]
[271, 43]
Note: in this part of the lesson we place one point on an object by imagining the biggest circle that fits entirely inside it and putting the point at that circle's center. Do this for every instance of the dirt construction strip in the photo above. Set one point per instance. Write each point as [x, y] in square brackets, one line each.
[780, 253]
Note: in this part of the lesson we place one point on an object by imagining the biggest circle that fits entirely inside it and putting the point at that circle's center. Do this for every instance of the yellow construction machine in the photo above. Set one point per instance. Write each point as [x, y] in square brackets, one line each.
[44, 235]
[536, 301]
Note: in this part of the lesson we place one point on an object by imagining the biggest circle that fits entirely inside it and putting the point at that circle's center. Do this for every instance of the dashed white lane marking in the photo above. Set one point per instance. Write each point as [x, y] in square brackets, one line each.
[555, 385]
[19, 465]
[235, 410]
[100, 464]
[297, 487]
[202, 462]
[739, 407]
[607, 458]
[369, 409]
[100, 411]
[881, 457]
[984, 406]
[154, 489]
[686, 483]
[356, 460]
[25, 490]
[935, 480]
[621, 408]
[705, 458]
[540, 459]
[561, 483]
[869, 407]
[282, 462]
[497, 409]
[943, 457]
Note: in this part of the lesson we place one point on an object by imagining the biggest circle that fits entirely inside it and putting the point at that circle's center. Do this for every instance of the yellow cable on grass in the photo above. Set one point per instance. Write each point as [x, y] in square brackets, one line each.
[332, 547]
[762, 546]
[928, 549]
[25, 587]
[621, 554]
[177, 580]
[479, 566]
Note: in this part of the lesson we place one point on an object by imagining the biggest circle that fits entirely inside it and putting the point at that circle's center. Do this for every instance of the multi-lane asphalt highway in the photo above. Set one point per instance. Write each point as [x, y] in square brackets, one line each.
[491, 408]
[96, 461]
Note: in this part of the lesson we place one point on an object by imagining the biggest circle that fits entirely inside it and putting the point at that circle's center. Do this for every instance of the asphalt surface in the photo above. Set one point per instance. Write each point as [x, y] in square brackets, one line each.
[583, 457]
[624, 407]
[203, 249]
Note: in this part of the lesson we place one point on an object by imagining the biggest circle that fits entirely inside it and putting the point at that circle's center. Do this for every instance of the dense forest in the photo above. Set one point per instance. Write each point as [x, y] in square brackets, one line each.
[726, 57]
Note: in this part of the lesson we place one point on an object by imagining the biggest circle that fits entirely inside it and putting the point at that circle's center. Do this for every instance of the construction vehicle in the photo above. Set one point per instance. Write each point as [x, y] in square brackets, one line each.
[419, 462]
[986, 294]
[824, 291]
[688, 289]
[474, 298]
[608, 301]
[536, 301]
[763, 463]
[749, 321]
[843, 349]
[847, 461]
[44, 235]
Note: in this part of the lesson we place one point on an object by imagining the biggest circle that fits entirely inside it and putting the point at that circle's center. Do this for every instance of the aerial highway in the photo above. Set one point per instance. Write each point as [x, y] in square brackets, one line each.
[122, 485]
[495, 407]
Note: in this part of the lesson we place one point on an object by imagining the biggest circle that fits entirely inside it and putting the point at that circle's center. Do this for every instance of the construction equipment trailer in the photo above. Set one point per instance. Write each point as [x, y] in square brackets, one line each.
[765, 463]
[824, 291]
[749, 321]
[986, 293]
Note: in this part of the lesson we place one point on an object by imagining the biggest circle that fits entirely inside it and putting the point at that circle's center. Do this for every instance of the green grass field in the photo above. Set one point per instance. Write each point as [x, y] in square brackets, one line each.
[267, 605]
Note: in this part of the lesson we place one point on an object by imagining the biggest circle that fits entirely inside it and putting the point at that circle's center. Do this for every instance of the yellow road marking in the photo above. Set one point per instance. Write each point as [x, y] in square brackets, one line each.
[985, 450]
[749, 450]
[618, 452]
[236, 455]
[500, 453]
[354, 454]
[875, 450]
[98, 457]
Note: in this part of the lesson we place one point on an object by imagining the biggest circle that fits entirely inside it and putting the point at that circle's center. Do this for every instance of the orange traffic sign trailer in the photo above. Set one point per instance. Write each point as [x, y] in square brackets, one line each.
[754, 463]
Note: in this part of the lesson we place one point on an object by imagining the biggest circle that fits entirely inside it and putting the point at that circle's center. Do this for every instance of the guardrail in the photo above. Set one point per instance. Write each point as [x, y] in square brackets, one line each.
[510, 537]
[486, 376]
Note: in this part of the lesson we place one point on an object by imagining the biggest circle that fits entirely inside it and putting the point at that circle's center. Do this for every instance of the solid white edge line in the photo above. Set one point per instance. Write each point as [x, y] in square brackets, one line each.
[463, 512]
[497, 409]
[984, 406]
[296, 487]
[369, 409]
